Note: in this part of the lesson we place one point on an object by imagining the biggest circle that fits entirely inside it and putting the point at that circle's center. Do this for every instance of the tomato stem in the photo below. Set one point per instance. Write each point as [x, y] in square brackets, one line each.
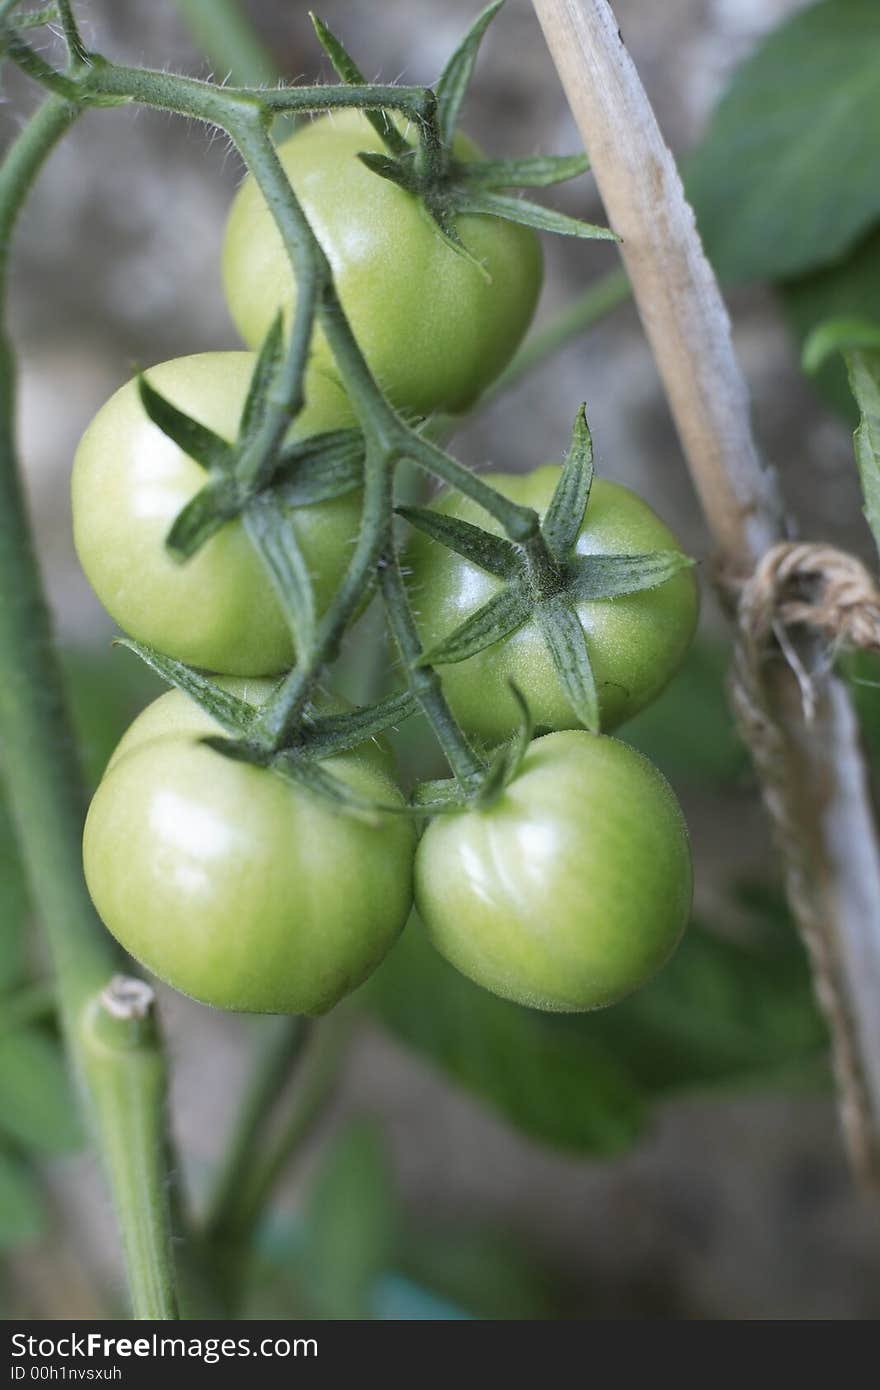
[47, 796]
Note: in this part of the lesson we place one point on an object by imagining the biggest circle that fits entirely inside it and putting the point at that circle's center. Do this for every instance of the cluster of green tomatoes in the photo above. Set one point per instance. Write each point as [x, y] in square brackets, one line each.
[566, 889]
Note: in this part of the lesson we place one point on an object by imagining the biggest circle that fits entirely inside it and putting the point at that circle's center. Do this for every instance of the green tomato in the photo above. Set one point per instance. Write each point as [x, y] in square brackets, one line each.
[217, 610]
[636, 642]
[237, 888]
[434, 330]
[572, 889]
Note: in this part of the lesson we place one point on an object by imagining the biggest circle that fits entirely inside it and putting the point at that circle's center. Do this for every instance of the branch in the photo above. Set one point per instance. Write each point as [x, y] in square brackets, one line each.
[813, 775]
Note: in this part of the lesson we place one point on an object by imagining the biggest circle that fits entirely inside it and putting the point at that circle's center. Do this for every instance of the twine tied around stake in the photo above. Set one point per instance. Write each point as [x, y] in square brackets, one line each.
[832, 601]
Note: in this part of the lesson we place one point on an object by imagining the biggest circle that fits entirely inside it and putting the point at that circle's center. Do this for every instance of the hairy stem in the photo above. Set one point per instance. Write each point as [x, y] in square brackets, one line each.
[47, 798]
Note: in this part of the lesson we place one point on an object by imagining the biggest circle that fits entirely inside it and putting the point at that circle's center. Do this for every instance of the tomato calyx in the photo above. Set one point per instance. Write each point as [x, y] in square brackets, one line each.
[545, 579]
[450, 187]
[301, 473]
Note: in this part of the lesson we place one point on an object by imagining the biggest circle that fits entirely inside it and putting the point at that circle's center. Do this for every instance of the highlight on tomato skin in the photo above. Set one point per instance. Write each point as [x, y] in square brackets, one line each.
[572, 889]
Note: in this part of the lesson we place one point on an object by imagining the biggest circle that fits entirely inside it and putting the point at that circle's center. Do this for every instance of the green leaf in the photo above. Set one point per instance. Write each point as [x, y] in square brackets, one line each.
[536, 171]
[199, 443]
[561, 1089]
[565, 515]
[859, 341]
[337, 733]
[849, 288]
[567, 645]
[502, 614]
[838, 336]
[266, 369]
[595, 577]
[491, 553]
[37, 1107]
[320, 468]
[722, 1013]
[864, 376]
[232, 714]
[347, 71]
[350, 1225]
[452, 85]
[22, 1214]
[203, 516]
[528, 214]
[786, 177]
[269, 525]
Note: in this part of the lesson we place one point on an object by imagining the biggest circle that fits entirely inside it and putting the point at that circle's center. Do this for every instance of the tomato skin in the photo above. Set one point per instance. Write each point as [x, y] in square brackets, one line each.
[636, 642]
[572, 889]
[433, 330]
[218, 609]
[233, 886]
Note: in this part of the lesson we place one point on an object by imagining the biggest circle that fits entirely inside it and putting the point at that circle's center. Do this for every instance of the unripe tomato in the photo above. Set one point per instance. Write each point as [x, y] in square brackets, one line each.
[434, 330]
[569, 891]
[234, 886]
[636, 642]
[217, 610]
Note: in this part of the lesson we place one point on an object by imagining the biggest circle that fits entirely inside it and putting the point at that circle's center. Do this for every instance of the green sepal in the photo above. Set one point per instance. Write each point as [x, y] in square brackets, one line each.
[567, 645]
[324, 735]
[269, 525]
[203, 516]
[320, 468]
[534, 171]
[232, 714]
[266, 368]
[565, 515]
[502, 614]
[239, 750]
[199, 443]
[594, 577]
[303, 772]
[347, 71]
[508, 760]
[491, 553]
[444, 220]
[453, 82]
[399, 171]
[528, 214]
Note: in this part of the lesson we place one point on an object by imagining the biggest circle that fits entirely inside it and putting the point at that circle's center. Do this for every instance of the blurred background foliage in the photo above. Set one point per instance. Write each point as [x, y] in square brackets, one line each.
[676, 1156]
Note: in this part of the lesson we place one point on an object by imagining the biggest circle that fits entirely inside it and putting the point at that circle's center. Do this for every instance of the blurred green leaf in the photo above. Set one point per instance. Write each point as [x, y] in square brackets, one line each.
[720, 1014]
[350, 1226]
[13, 906]
[689, 732]
[786, 176]
[37, 1106]
[849, 287]
[560, 1088]
[482, 1271]
[22, 1217]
